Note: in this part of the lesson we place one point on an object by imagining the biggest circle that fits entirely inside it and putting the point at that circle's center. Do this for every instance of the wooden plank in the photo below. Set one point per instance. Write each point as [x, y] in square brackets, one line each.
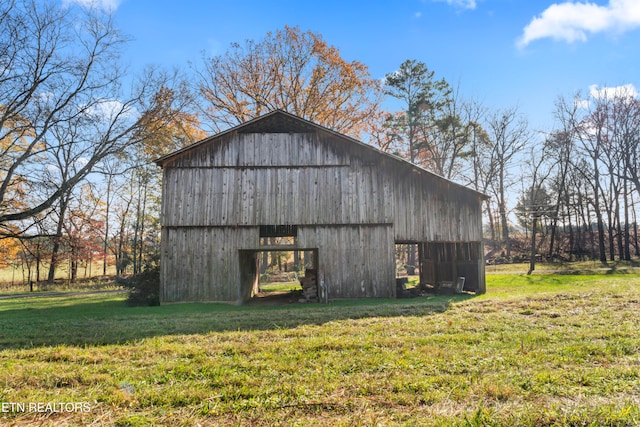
[351, 208]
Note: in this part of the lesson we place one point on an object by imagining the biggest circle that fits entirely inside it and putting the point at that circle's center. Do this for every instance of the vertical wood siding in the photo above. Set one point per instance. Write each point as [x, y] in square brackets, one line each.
[434, 210]
[202, 263]
[262, 149]
[354, 261]
[283, 195]
[348, 202]
[341, 191]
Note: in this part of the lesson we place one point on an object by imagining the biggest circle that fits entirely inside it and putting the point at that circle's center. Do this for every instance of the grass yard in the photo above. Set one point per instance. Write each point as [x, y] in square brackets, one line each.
[544, 350]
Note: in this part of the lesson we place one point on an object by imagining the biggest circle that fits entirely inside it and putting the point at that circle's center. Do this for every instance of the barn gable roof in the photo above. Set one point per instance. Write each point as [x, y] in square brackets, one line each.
[279, 121]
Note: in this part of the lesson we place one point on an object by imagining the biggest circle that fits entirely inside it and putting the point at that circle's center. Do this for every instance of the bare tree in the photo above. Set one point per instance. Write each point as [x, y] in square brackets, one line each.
[626, 143]
[627, 113]
[509, 133]
[59, 70]
[560, 145]
[602, 133]
[591, 132]
[536, 201]
[481, 159]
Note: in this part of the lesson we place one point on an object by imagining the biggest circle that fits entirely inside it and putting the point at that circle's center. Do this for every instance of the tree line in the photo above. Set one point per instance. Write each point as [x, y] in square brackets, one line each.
[79, 132]
[583, 187]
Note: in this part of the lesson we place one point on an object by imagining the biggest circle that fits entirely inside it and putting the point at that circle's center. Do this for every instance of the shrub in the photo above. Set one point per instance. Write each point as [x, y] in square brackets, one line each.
[144, 288]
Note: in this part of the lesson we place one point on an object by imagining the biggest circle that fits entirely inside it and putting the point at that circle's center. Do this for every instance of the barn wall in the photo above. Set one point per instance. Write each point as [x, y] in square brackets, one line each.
[231, 184]
[349, 203]
[263, 149]
[434, 211]
[202, 263]
[353, 261]
[283, 195]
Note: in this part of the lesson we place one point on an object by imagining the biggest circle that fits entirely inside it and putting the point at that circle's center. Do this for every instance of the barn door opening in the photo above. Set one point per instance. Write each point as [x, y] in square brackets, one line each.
[407, 268]
[286, 276]
[448, 261]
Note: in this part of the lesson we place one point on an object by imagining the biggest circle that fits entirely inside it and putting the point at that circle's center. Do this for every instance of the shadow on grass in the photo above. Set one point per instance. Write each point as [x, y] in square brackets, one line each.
[104, 319]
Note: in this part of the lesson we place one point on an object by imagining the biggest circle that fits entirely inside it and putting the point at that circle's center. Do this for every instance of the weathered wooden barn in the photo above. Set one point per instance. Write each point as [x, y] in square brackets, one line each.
[348, 204]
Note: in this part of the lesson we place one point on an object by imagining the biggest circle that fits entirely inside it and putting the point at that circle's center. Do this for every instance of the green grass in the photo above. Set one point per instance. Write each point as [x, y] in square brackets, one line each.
[281, 286]
[538, 350]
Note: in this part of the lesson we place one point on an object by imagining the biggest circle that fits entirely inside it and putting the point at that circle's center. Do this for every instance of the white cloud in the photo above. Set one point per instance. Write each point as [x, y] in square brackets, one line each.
[583, 104]
[109, 110]
[626, 92]
[108, 5]
[572, 22]
[462, 4]
[617, 92]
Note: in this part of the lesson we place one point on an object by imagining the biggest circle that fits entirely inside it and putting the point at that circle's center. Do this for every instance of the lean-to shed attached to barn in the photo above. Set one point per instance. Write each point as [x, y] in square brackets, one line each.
[226, 198]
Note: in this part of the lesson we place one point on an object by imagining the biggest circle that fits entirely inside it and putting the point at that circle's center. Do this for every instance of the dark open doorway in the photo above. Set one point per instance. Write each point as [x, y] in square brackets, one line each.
[449, 261]
[280, 276]
[279, 271]
[407, 269]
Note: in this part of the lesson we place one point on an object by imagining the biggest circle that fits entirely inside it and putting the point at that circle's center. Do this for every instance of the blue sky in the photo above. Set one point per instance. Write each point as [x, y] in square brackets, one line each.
[506, 53]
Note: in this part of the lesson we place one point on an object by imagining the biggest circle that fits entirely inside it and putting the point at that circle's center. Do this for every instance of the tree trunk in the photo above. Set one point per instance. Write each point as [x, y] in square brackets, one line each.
[600, 222]
[502, 210]
[635, 235]
[588, 228]
[73, 261]
[120, 267]
[105, 247]
[56, 240]
[601, 238]
[554, 221]
[627, 243]
[411, 259]
[611, 226]
[38, 261]
[636, 245]
[571, 234]
[136, 232]
[532, 260]
[265, 260]
[492, 226]
[504, 222]
[142, 227]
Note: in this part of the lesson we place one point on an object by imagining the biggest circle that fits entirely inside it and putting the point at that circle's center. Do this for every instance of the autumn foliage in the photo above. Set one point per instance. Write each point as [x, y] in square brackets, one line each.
[294, 71]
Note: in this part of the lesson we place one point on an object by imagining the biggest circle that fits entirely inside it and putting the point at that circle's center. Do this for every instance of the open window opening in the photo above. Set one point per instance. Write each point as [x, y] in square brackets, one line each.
[278, 235]
[407, 269]
[287, 276]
